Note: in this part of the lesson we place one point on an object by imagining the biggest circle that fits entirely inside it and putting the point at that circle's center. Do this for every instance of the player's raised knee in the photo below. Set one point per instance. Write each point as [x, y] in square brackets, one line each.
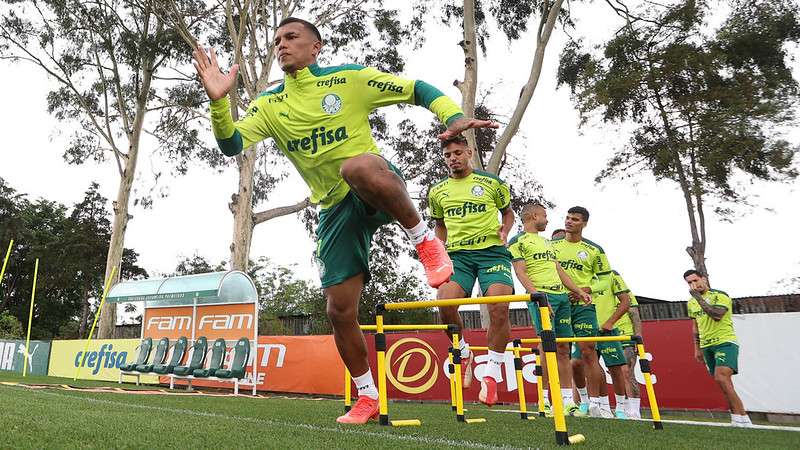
[360, 168]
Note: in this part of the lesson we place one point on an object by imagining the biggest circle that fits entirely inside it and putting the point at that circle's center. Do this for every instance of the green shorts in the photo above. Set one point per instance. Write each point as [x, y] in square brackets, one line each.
[344, 236]
[725, 354]
[584, 320]
[561, 320]
[489, 265]
[611, 352]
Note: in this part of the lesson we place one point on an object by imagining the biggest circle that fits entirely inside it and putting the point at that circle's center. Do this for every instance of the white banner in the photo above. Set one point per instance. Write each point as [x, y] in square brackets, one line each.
[768, 362]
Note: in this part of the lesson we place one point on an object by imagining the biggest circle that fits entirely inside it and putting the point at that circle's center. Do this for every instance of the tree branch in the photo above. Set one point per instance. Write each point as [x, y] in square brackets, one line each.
[269, 214]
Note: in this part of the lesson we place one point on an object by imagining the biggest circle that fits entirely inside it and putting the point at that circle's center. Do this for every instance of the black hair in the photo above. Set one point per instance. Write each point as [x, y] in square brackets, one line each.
[560, 230]
[309, 26]
[579, 210]
[457, 139]
[693, 272]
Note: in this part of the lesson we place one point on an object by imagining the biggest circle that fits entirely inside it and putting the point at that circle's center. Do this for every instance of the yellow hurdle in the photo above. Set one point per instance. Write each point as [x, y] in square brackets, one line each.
[453, 302]
[582, 339]
[404, 327]
[348, 395]
[549, 345]
[644, 364]
[516, 349]
[539, 384]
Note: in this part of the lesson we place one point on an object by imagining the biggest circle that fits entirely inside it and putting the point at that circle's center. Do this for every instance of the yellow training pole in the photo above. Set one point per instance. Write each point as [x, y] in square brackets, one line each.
[96, 316]
[523, 408]
[5, 261]
[457, 374]
[403, 327]
[539, 385]
[30, 320]
[549, 345]
[380, 349]
[348, 401]
[451, 368]
[455, 302]
[581, 339]
[644, 364]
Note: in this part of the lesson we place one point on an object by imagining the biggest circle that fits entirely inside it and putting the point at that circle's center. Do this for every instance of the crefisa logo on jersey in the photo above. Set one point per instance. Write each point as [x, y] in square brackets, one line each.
[477, 191]
[583, 255]
[331, 103]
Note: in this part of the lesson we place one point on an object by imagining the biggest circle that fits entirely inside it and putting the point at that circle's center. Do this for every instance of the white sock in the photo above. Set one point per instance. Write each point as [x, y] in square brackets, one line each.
[366, 386]
[419, 232]
[584, 393]
[604, 402]
[464, 348]
[633, 404]
[493, 365]
[620, 402]
[546, 396]
[594, 401]
[566, 396]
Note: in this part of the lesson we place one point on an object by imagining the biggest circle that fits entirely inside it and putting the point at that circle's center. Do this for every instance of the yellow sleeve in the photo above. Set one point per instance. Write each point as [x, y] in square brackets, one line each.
[434, 207]
[233, 137]
[381, 89]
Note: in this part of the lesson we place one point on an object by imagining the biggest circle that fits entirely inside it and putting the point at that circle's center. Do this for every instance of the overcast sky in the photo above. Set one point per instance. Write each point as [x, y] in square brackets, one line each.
[641, 224]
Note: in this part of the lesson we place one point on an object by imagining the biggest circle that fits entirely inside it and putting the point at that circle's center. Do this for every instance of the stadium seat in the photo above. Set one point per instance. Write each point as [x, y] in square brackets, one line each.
[144, 353]
[158, 357]
[199, 350]
[241, 354]
[217, 357]
[178, 352]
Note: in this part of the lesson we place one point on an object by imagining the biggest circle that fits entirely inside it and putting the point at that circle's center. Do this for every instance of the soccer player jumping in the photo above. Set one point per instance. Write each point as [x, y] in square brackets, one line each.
[318, 117]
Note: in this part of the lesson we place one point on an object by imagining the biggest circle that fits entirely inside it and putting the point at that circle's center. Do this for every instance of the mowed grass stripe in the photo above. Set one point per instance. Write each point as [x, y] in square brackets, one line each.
[179, 414]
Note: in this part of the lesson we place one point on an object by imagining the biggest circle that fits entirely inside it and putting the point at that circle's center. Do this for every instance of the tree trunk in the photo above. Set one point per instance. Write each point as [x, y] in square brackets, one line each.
[108, 317]
[241, 207]
[84, 315]
[546, 25]
[469, 86]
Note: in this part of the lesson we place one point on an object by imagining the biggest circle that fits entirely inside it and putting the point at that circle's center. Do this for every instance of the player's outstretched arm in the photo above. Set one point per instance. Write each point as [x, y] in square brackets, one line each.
[216, 83]
[462, 124]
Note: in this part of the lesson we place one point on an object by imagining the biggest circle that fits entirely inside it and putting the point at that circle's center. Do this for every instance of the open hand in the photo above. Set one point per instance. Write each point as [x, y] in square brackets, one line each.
[462, 124]
[216, 83]
[503, 235]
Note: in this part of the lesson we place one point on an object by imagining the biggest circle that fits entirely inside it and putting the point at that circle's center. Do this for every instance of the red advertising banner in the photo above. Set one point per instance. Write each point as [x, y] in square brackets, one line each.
[417, 369]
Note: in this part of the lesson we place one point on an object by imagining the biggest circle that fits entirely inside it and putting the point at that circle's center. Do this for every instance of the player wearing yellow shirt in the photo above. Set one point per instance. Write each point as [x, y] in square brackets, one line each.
[715, 340]
[466, 206]
[537, 268]
[611, 305]
[318, 118]
[630, 324]
[586, 263]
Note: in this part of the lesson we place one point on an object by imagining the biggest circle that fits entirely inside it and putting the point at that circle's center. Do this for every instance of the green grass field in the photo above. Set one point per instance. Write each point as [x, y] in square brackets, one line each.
[53, 418]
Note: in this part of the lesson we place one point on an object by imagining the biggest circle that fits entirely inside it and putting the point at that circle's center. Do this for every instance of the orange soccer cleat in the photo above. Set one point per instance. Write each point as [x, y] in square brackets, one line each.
[488, 393]
[437, 263]
[364, 410]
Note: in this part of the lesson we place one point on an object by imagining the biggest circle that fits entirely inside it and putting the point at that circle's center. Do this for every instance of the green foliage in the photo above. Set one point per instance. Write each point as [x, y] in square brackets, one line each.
[71, 247]
[10, 326]
[707, 106]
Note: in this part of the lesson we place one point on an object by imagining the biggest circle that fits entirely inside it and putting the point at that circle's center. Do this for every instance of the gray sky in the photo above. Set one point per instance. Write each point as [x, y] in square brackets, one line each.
[641, 224]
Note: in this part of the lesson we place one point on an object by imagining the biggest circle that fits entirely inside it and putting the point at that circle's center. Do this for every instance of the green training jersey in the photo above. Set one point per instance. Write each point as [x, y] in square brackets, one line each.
[624, 324]
[713, 332]
[583, 261]
[469, 207]
[319, 118]
[540, 261]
